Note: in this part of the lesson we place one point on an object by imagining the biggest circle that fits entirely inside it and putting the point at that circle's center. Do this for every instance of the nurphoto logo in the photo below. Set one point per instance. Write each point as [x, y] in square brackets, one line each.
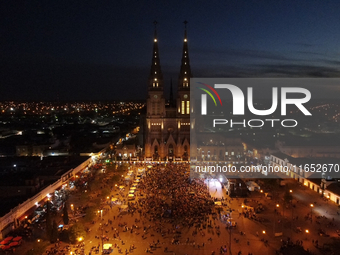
[238, 104]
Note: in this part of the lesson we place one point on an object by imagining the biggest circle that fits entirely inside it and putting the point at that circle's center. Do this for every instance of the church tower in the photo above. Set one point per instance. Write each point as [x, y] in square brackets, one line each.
[183, 101]
[155, 100]
[167, 129]
[155, 106]
[183, 97]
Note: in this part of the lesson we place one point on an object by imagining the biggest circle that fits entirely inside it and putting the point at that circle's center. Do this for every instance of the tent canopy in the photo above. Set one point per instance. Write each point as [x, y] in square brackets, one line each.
[107, 246]
[16, 239]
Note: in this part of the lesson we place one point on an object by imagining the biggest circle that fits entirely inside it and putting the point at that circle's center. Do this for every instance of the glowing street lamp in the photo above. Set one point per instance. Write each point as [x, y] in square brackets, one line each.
[307, 231]
[311, 211]
[101, 218]
[264, 232]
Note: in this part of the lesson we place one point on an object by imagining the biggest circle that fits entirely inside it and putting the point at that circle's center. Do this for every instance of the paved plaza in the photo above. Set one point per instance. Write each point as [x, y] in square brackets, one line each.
[172, 214]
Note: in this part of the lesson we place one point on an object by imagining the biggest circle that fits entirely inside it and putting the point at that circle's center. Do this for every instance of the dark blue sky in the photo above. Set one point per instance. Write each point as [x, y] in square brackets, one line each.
[103, 49]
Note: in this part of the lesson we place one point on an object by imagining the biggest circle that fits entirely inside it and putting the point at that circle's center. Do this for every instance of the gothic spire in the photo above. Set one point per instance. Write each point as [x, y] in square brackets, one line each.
[155, 77]
[185, 71]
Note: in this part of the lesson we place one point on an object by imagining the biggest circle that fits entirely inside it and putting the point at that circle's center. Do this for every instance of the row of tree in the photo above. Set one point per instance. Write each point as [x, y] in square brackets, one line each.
[52, 233]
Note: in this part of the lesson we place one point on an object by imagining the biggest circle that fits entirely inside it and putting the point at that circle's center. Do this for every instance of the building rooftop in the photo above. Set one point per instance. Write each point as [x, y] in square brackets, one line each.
[334, 188]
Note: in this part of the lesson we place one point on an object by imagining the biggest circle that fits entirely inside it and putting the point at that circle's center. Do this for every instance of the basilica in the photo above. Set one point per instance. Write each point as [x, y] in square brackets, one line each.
[167, 123]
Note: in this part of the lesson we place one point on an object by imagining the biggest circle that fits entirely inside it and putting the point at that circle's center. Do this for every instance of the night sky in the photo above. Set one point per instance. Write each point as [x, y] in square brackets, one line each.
[101, 50]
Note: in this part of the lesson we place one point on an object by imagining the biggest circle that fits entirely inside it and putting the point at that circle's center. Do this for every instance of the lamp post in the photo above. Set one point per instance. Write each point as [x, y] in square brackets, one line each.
[101, 226]
[275, 211]
[311, 212]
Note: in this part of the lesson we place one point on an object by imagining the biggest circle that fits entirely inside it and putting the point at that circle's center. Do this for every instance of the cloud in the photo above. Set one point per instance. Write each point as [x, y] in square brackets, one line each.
[240, 53]
[304, 45]
[299, 70]
[269, 70]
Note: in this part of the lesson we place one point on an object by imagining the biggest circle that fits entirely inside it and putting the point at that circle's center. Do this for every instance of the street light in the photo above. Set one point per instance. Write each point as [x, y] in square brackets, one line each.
[290, 191]
[264, 232]
[277, 206]
[307, 231]
[311, 211]
[101, 225]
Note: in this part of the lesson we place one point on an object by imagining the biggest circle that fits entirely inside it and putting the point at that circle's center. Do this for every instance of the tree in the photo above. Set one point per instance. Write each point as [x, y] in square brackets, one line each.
[54, 232]
[65, 214]
[105, 192]
[84, 197]
[287, 197]
[90, 214]
[48, 220]
[76, 231]
[115, 179]
[271, 183]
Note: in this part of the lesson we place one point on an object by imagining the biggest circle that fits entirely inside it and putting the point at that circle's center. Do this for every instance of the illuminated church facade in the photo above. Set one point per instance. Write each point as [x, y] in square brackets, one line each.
[167, 125]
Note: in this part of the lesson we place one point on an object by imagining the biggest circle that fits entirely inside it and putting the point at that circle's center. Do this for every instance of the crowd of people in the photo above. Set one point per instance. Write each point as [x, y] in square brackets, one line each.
[171, 194]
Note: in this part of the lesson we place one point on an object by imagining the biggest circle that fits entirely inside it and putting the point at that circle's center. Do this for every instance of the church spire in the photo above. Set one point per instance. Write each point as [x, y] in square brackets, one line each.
[185, 71]
[156, 76]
